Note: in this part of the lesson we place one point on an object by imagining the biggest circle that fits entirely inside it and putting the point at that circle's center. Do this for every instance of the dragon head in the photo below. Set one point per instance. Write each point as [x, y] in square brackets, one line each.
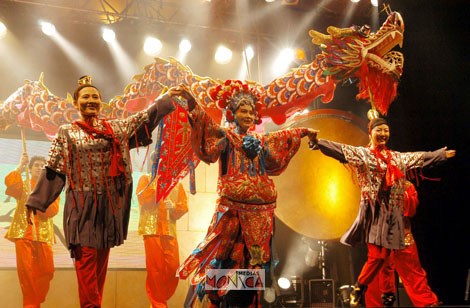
[356, 52]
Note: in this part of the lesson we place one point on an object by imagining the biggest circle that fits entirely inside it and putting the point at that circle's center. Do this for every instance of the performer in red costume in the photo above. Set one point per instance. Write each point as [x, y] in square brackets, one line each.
[380, 173]
[90, 158]
[34, 257]
[157, 224]
[239, 236]
[406, 261]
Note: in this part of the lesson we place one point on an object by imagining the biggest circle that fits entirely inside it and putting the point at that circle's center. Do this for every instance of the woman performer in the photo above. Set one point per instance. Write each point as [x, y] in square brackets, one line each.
[380, 173]
[92, 154]
[239, 236]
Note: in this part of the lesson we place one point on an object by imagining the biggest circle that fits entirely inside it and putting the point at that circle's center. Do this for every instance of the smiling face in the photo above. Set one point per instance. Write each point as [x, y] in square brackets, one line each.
[379, 136]
[88, 102]
[245, 117]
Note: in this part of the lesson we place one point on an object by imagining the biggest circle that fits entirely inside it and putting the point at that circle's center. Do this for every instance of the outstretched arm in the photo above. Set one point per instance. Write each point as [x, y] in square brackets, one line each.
[329, 148]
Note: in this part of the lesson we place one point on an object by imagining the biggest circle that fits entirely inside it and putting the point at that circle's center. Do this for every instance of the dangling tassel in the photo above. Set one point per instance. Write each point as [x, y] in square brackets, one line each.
[192, 178]
[251, 168]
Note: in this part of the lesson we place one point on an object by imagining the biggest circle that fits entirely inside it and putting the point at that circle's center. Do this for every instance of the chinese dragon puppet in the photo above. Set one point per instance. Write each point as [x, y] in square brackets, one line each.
[353, 52]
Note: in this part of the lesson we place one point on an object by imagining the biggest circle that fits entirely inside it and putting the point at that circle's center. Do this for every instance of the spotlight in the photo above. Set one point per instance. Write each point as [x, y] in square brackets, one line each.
[108, 35]
[47, 28]
[3, 29]
[291, 291]
[249, 52]
[185, 46]
[355, 1]
[152, 46]
[374, 3]
[223, 55]
[283, 283]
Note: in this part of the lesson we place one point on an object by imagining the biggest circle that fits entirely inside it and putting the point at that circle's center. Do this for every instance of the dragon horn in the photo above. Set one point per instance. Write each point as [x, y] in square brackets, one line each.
[41, 82]
[69, 98]
[318, 38]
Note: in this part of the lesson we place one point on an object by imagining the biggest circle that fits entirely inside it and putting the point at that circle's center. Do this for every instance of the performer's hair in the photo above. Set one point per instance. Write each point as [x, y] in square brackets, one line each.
[376, 122]
[35, 158]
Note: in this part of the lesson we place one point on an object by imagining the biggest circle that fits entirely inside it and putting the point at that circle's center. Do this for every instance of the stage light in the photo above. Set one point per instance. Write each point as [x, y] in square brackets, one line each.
[223, 55]
[269, 1]
[249, 52]
[374, 3]
[48, 28]
[3, 29]
[152, 46]
[185, 46]
[283, 283]
[108, 35]
[355, 1]
[282, 62]
[290, 291]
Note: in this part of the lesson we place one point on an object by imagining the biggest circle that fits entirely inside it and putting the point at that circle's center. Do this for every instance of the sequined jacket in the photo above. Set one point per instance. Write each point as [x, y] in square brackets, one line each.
[97, 205]
[19, 228]
[155, 219]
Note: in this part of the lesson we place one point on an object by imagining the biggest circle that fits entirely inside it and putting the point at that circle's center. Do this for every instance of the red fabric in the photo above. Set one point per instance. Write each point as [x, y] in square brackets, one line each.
[379, 88]
[382, 283]
[376, 257]
[393, 173]
[91, 265]
[411, 201]
[35, 265]
[175, 152]
[412, 274]
[162, 261]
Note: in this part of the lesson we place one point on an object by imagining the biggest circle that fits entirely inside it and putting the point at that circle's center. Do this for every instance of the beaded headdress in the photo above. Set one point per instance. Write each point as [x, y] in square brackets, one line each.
[233, 93]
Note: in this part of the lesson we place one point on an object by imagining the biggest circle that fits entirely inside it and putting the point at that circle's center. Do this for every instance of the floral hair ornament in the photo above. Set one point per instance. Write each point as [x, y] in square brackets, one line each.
[233, 93]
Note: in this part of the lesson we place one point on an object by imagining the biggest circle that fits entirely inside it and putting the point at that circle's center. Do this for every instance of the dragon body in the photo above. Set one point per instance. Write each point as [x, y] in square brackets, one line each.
[345, 53]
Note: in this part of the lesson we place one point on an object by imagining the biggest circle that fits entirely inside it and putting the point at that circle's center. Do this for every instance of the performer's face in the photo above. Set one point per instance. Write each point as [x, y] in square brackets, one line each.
[380, 135]
[36, 168]
[89, 102]
[245, 117]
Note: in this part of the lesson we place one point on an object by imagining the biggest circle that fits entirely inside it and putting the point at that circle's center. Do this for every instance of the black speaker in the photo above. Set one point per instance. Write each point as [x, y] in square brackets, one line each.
[321, 293]
[403, 300]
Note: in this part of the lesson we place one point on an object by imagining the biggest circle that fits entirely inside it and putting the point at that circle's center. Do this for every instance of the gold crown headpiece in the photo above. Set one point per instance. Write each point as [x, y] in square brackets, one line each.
[84, 80]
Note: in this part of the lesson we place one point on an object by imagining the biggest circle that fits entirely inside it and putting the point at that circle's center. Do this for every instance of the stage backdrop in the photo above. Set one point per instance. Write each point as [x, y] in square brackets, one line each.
[129, 255]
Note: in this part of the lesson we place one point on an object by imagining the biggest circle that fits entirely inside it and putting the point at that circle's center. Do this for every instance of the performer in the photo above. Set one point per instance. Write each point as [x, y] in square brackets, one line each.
[380, 173]
[240, 233]
[157, 224]
[34, 258]
[406, 262]
[92, 154]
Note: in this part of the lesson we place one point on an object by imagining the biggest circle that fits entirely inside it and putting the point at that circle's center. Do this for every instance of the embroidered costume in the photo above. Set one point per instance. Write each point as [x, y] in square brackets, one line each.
[241, 229]
[34, 257]
[379, 222]
[158, 227]
[94, 166]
